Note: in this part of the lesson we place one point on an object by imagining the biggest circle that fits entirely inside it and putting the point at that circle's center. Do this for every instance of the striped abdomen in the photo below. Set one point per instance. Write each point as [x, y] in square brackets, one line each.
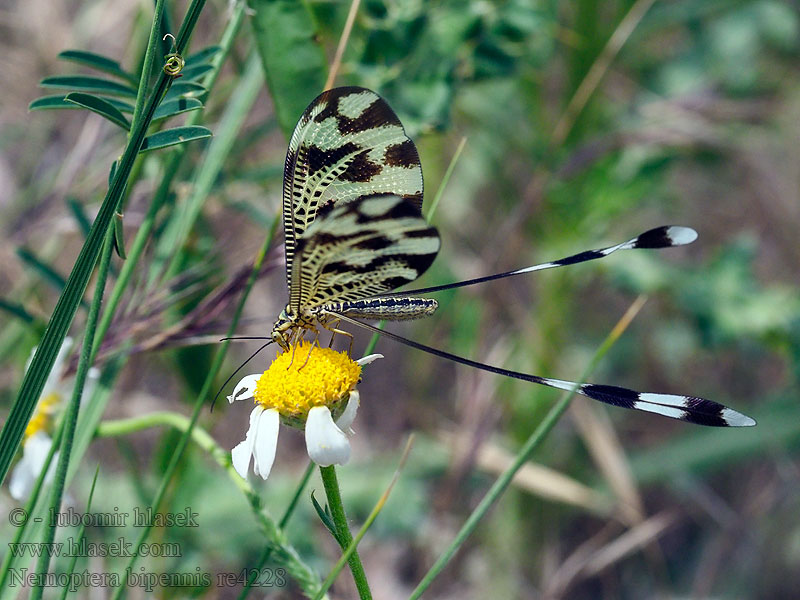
[391, 308]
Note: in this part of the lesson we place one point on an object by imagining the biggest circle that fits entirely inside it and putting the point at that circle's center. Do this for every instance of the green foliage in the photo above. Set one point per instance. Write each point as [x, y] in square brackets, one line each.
[691, 121]
[98, 105]
[176, 135]
[293, 60]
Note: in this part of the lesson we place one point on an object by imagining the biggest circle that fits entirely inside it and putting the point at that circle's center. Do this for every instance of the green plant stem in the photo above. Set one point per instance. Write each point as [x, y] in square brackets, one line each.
[147, 63]
[278, 542]
[536, 438]
[285, 553]
[283, 523]
[236, 112]
[81, 533]
[353, 545]
[30, 508]
[71, 415]
[119, 427]
[78, 279]
[162, 193]
[343, 535]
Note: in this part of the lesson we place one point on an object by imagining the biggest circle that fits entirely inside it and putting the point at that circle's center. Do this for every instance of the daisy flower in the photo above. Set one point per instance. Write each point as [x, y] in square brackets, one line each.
[36, 441]
[306, 387]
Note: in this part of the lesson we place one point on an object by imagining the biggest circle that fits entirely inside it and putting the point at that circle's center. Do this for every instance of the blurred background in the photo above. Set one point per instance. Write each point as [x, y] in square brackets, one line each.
[584, 123]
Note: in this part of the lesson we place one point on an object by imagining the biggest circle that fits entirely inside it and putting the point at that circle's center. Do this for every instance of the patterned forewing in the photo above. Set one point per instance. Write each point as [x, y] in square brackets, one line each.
[361, 249]
[347, 145]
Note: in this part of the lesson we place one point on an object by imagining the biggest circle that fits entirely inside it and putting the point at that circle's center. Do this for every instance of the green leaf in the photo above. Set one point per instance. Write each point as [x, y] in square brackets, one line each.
[120, 105]
[294, 62]
[174, 107]
[99, 62]
[76, 208]
[16, 309]
[182, 88]
[119, 237]
[176, 135]
[203, 56]
[59, 101]
[325, 516]
[70, 298]
[51, 102]
[46, 272]
[196, 72]
[100, 106]
[88, 83]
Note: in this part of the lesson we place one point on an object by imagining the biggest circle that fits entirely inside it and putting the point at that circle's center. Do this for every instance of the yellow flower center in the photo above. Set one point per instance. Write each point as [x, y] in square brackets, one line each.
[43, 416]
[306, 376]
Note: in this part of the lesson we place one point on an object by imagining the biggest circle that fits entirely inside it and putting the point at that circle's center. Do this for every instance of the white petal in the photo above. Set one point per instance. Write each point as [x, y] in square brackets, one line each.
[326, 443]
[245, 389]
[265, 443]
[21, 482]
[240, 455]
[51, 383]
[92, 377]
[34, 455]
[349, 414]
[368, 359]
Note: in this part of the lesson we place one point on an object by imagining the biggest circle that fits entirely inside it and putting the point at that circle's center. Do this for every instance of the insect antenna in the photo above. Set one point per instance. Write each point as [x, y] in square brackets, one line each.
[241, 366]
[685, 408]
[665, 236]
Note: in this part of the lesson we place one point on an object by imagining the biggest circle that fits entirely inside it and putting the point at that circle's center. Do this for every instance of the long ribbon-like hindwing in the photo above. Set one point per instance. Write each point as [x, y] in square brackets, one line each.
[354, 232]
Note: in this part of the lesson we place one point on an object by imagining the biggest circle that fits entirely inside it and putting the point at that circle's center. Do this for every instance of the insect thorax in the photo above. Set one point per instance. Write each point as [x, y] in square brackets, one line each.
[390, 308]
[288, 324]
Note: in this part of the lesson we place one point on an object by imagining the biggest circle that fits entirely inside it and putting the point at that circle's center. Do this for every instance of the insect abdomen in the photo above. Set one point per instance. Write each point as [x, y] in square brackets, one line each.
[392, 308]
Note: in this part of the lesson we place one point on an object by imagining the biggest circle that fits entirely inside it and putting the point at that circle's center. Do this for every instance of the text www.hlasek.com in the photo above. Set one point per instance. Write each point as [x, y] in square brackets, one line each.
[74, 548]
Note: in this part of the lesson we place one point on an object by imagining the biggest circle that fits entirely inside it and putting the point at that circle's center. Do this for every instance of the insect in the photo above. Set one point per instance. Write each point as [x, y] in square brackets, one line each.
[354, 233]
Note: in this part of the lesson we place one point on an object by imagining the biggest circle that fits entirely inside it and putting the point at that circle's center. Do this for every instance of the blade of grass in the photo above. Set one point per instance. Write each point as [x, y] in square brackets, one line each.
[162, 193]
[342, 45]
[30, 511]
[536, 438]
[81, 533]
[598, 69]
[71, 415]
[445, 179]
[78, 279]
[16, 309]
[288, 557]
[233, 119]
[46, 272]
[303, 575]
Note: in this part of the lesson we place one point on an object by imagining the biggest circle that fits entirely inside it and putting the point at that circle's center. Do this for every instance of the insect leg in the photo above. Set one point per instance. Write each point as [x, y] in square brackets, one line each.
[333, 327]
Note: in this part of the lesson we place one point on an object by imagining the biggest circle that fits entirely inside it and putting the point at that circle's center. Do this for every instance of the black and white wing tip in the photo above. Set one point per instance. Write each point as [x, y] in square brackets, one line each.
[685, 408]
[665, 237]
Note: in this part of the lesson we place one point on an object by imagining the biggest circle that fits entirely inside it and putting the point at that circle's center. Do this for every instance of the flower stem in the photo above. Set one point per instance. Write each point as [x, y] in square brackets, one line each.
[343, 535]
